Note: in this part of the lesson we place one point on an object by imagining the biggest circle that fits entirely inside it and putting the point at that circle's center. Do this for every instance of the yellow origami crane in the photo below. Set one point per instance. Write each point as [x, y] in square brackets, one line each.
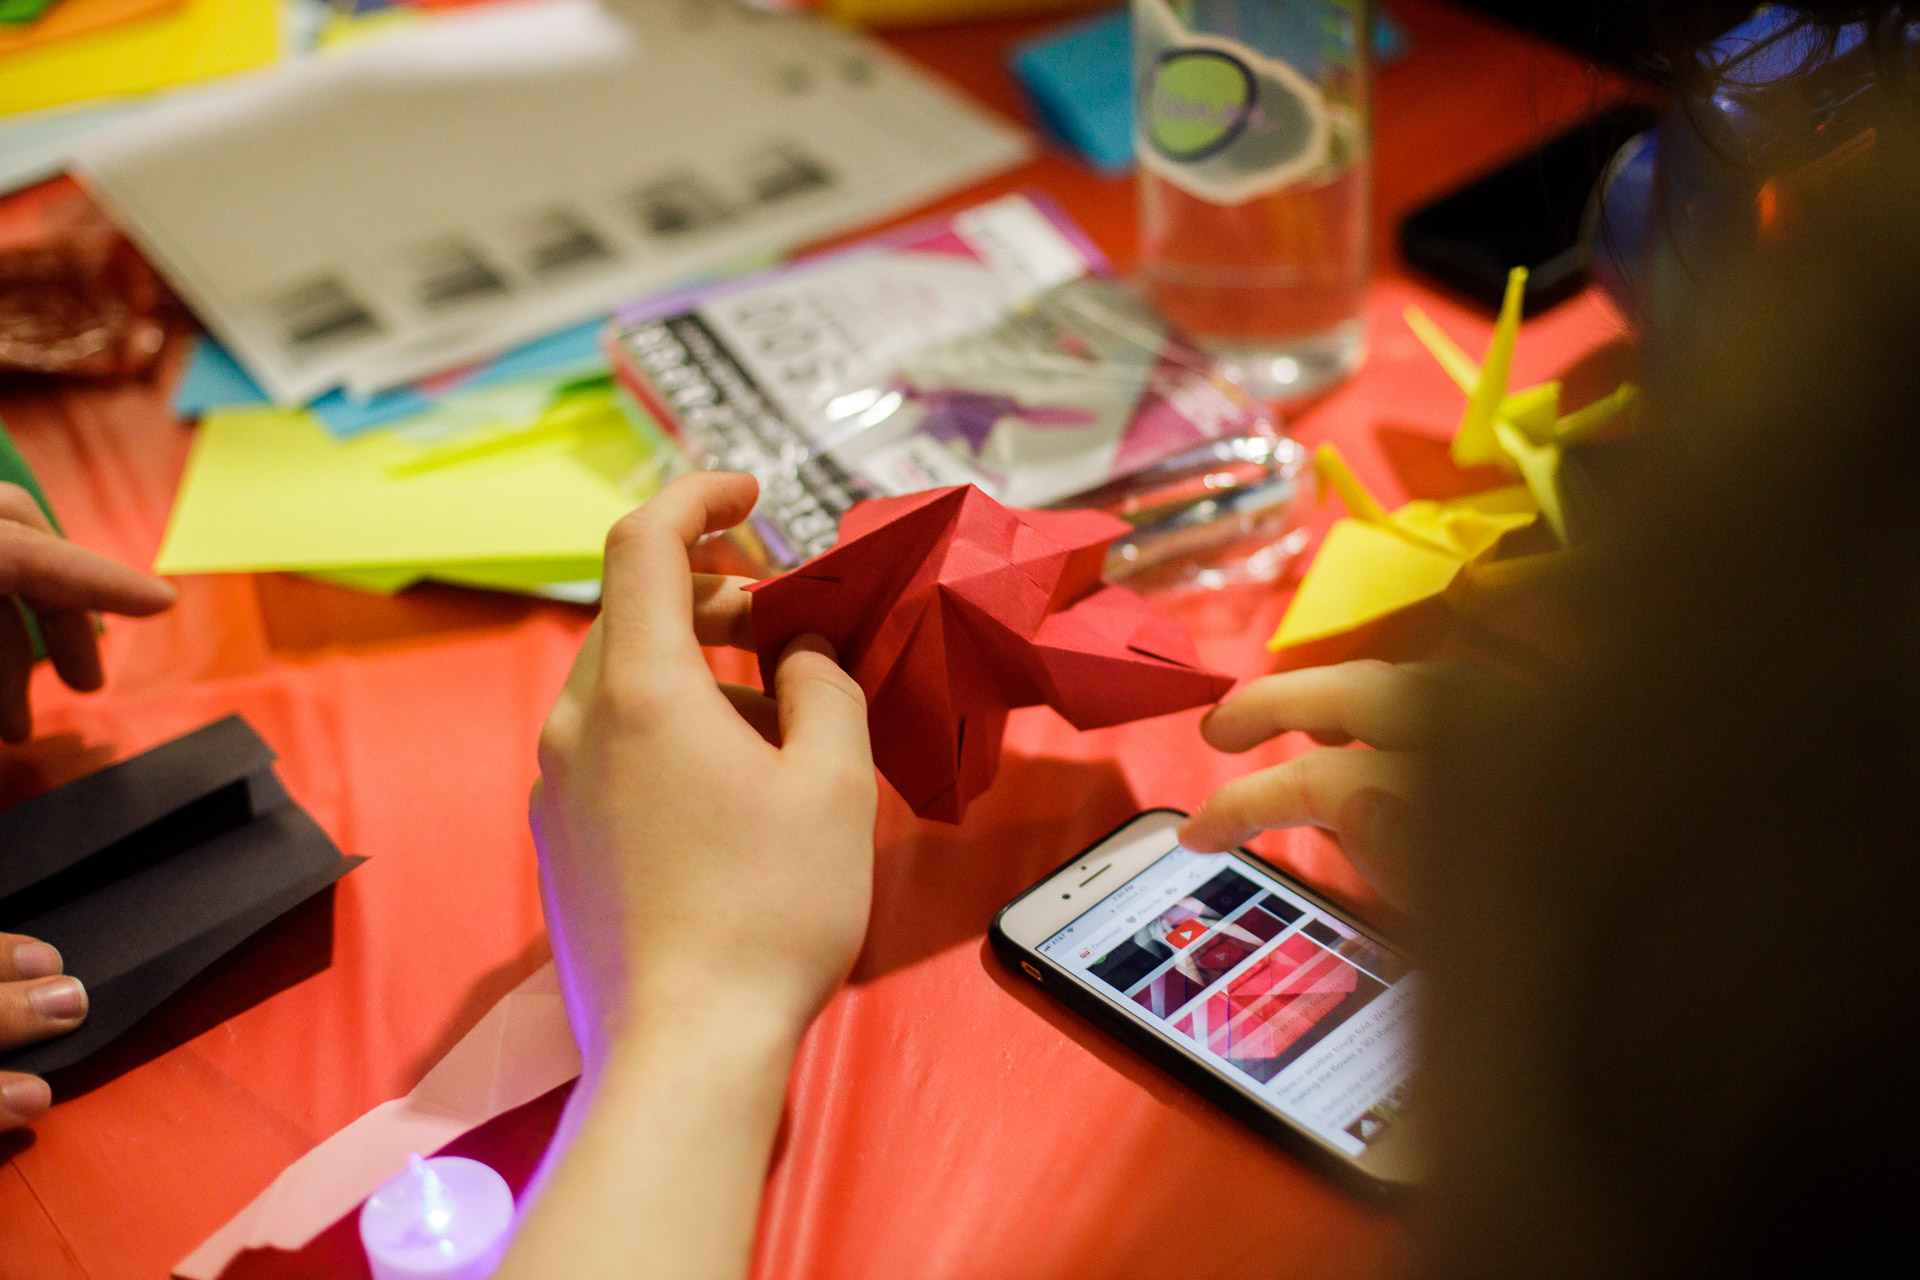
[1375, 563]
[1523, 433]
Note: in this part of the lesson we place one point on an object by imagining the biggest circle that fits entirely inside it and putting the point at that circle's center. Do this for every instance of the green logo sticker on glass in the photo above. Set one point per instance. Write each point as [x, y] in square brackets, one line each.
[1198, 103]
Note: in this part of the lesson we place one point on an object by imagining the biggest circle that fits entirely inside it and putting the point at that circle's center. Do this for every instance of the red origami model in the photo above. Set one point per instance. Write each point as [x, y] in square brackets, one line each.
[950, 610]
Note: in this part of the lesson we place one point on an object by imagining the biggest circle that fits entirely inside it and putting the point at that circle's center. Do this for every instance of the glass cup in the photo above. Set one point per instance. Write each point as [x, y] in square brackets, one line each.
[1253, 130]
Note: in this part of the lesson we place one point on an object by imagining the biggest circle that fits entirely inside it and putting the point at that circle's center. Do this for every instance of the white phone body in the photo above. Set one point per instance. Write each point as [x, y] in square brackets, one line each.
[1261, 994]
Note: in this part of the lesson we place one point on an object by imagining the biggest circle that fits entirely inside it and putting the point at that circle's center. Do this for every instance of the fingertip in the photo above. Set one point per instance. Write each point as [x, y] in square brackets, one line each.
[1198, 834]
[25, 1098]
[812, 642]
[165, 595]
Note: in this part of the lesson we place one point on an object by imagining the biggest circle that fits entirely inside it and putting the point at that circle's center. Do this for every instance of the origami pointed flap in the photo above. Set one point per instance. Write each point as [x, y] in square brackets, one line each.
[1474, 444]
[1458, 364]
[1363, 573]
[1535, 410]
[1096, 683]
[1333, 473]
[885, 513]
[1581, 423]
[1540, 467]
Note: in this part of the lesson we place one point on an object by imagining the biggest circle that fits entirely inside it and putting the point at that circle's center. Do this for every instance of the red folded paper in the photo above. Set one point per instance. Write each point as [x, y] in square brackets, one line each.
[950, 610]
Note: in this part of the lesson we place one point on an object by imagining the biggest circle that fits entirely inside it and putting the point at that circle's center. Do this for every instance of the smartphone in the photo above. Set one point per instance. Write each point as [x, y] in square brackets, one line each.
[1283, 1009]
[1529, 213]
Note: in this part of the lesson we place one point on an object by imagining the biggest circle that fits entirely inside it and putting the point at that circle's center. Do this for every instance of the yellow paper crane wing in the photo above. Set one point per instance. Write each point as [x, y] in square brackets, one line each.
[1364, 572]
[1374, 564]
[1538, 459]
[1582, 423]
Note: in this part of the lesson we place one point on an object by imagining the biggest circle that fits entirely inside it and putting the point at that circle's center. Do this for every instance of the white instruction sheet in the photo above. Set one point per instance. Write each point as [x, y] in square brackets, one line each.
[430, 197]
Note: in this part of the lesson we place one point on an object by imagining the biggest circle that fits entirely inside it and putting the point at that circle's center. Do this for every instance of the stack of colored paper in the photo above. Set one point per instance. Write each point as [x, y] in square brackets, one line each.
[80, 49]
[511, 487]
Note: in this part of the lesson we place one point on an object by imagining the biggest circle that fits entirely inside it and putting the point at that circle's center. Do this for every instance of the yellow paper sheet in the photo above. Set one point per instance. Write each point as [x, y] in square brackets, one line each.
[203, 39]
[269, 489]
[521, 577]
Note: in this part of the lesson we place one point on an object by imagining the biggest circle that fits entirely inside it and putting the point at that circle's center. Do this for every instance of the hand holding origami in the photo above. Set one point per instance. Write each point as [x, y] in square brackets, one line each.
[950, 610]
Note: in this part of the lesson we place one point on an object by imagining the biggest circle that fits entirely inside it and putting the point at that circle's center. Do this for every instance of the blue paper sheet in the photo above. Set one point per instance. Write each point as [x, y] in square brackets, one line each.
[214, 379]
[1079, 84]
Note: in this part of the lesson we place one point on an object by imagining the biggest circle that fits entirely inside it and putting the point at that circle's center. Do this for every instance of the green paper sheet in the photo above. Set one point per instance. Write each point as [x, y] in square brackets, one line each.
[23, 11]
[14, 470]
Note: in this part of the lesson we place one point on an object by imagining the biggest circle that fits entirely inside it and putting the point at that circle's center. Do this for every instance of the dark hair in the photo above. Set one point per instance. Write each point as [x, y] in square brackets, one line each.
[1672, 957]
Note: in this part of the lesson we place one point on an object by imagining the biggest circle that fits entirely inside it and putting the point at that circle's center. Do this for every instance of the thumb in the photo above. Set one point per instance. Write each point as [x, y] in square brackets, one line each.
[823, 713]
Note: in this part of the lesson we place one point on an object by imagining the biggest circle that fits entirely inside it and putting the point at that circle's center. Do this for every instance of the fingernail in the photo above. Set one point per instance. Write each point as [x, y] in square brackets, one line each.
[818, 643]
[62, 1000]
[35, 960]
[26, 1099]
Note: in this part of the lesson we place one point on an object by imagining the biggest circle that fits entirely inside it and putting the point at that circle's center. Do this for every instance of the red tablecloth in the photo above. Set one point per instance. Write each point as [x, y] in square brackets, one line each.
[944, 1121]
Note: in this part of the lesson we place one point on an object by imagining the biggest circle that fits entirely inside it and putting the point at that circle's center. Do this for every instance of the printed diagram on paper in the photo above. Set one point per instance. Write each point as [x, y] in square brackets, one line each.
[419, 201]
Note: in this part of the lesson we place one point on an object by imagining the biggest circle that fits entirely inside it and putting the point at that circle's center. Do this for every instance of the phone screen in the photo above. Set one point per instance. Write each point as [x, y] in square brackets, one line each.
[1289, 1003]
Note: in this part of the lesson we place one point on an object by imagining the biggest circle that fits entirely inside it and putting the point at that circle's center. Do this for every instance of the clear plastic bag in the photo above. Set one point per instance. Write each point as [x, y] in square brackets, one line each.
[1074, 394]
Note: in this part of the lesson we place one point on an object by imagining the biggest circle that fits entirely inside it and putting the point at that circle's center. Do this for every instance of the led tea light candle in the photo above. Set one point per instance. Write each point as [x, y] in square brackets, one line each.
[446, 1218]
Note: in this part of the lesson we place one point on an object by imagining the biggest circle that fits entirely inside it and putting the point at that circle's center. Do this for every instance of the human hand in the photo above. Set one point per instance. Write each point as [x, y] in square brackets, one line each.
[36, 1003]
[702, 847]
[65, 584]
[1364, 797]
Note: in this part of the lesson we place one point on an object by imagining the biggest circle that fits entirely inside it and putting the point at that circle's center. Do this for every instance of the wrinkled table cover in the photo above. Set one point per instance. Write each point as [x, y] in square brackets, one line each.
[943, 1121]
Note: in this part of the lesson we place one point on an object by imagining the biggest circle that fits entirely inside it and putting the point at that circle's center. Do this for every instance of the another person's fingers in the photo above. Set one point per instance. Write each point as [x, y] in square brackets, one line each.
[1342, 790]
[32, 1011]
[23, 1099]
[722, 614]
[22, 957]
[823, 713]
[56, 574]
[68, 633]
[73, 646]
[756, 708]
[647, 604]
[1372, 701]
[16, 667]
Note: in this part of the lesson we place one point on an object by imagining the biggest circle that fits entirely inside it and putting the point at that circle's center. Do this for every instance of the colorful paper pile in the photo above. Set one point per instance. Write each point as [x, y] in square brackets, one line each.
[1376, 563]
[512, 487]
[82, 49]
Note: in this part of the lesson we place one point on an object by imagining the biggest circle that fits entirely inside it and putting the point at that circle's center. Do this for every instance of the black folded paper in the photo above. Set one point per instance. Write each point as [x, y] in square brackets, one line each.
[148, 871]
